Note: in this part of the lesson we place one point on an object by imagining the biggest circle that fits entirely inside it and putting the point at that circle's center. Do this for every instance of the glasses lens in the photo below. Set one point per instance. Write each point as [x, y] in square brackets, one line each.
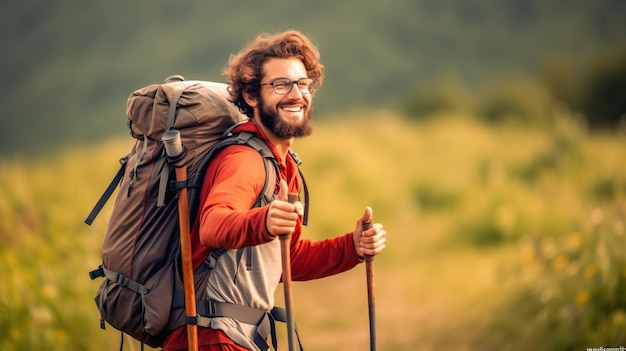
[282, 86]
[306, 85]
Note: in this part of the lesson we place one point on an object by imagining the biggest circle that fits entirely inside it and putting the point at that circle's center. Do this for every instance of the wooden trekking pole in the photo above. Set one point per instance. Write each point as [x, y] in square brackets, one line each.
[285, 241]
[285, 255]
[175, 154]
[371, 299]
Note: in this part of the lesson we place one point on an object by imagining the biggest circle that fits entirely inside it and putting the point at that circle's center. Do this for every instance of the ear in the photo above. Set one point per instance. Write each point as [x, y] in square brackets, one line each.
[250, 99]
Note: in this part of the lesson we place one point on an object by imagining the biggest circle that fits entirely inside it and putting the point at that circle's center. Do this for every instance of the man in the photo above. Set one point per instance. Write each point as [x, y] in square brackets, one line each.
[272, 81]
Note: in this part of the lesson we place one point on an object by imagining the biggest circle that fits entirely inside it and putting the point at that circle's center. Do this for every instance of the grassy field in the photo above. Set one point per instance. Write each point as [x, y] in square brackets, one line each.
[500, 237]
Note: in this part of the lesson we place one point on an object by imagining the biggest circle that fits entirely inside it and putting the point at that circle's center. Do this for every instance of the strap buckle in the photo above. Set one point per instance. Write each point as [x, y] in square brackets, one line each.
[97, 273]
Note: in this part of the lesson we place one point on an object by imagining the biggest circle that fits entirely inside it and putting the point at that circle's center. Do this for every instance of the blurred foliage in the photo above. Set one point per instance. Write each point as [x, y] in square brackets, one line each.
[444, 95]
[596, 92]
[499, 237]
[491, 156]
[572, 289]
[68, 66]
[604, 92]
[516, 100]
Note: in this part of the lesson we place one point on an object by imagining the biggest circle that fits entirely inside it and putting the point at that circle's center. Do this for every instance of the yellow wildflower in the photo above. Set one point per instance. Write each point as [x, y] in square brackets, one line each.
[590, 271]
[559, 263]
[619, 318]
[581, 298]
[573, 241]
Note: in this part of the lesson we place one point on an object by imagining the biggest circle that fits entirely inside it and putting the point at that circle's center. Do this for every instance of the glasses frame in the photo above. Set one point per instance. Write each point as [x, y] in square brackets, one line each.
[293, 82]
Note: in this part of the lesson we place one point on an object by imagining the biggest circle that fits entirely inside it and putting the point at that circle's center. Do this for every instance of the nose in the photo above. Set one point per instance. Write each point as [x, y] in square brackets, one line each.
[295, 92]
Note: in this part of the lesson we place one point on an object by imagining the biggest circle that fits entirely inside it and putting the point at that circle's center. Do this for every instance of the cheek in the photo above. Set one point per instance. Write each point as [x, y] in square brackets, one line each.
[309, 99]
[269, 100]
[272, 103]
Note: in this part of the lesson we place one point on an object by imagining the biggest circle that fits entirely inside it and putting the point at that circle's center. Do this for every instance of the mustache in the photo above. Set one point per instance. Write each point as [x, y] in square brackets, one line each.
[303, 104]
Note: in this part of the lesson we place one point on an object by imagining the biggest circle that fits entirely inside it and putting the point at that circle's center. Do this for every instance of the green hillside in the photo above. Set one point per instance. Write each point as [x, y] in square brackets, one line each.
[68, 66]
[500, 237]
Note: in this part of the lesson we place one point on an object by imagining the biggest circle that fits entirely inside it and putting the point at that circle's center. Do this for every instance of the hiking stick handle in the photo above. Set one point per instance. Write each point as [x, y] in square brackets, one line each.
[366, 226]
[371, 299]
[173, 145]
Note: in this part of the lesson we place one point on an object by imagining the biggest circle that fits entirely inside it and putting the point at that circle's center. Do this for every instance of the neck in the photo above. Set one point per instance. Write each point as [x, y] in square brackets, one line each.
[282, 145]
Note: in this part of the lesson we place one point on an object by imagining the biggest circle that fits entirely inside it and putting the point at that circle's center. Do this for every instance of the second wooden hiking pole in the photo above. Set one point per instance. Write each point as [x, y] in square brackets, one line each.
[371, 299]
[285, 257]
[285, 244]
[285, 241]
[175, 154]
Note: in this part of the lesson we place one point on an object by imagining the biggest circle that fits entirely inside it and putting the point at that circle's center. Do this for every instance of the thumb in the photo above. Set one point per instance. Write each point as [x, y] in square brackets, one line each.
[282, 191]
[367, 217]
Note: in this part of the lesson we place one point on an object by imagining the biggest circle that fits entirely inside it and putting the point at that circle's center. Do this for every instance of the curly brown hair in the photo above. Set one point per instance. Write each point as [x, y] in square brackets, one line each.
[244, 70]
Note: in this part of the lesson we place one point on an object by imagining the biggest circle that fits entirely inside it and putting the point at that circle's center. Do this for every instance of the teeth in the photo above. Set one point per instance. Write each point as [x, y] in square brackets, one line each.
[293, 109]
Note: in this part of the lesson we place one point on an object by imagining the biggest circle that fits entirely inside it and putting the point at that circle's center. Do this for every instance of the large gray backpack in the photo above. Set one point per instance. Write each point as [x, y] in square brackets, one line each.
[141, 249]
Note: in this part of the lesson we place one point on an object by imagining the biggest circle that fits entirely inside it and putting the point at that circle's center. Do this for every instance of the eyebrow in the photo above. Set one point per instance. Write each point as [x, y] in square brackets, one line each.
[293, 80]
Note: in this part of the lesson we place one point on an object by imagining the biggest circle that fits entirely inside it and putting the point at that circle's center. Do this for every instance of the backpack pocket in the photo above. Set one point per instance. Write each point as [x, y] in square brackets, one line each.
[141, 311]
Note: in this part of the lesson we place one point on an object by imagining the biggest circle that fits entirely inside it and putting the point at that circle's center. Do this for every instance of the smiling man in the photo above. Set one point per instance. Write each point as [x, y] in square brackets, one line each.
[296, 107]
[272, 81]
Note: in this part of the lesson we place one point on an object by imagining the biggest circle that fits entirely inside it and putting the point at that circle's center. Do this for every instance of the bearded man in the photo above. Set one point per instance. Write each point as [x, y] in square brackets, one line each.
[272, 81]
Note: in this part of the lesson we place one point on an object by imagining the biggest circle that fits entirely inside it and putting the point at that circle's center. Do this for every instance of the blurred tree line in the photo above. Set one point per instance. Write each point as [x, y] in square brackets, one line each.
[599, 91]
[596, 92]
[68, 66]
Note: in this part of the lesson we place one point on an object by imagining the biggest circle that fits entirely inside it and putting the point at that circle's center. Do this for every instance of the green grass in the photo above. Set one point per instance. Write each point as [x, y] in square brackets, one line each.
[500, 237]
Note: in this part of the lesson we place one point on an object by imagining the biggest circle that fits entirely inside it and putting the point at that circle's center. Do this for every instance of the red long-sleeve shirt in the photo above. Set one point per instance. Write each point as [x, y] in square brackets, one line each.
[232, 183]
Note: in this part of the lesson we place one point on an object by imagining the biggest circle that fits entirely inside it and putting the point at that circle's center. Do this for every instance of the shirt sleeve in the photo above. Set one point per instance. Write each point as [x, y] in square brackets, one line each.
[323, 258]
[233, 181]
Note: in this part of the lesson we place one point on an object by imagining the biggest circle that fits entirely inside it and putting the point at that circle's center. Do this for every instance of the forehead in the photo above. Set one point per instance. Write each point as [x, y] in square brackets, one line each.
[291, 68]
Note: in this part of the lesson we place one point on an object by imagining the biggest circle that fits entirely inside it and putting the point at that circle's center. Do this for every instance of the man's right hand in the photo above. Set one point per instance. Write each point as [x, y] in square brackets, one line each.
[282, 216]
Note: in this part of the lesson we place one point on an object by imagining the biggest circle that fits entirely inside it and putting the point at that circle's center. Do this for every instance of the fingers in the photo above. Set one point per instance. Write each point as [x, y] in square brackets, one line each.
[299, 208]
[372, 241]
[369, 238]
[282, 216]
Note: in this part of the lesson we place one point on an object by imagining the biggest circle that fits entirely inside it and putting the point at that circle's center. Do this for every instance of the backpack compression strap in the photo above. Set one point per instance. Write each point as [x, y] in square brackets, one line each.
[171, 118]
[119, 279]
[108, 192]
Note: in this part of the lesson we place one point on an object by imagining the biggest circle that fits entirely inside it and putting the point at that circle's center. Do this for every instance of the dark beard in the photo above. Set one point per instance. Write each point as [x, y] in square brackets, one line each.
[283, 129]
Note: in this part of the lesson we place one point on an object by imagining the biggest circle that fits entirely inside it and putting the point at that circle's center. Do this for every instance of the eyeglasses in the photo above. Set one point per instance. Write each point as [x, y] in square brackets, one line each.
[283, 86]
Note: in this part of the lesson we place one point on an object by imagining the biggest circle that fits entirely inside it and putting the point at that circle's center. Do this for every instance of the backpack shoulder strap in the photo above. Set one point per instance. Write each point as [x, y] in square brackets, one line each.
[298, 161]
[271, 167]
[268, 193]
[243, 138]
[265, 196]
[271, 170]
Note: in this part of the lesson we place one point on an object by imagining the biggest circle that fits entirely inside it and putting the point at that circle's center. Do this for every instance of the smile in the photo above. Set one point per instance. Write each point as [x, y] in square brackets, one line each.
[292, 109]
